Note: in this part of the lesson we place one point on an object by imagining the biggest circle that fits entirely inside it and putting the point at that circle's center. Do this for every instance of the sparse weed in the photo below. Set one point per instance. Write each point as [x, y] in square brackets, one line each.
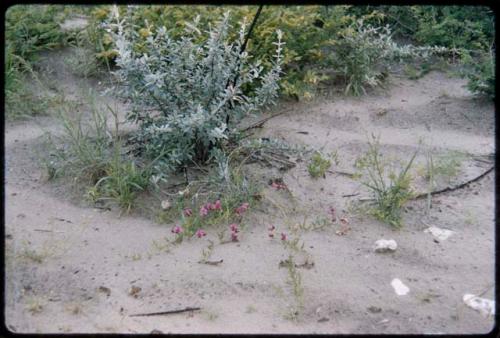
[319, 164]
[250, 309]
[74, 308]
[161, 246]
[391, 190]
[295, 282]
[210, 315]
[35, 304]
[446, 166]
[85, 150]
[121, 181]
[207, 252]
[34, 255]
[83, 62]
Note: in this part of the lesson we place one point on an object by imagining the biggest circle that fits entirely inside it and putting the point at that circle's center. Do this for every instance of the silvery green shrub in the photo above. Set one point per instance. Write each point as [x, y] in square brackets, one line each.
[182, 92]
[365, 53]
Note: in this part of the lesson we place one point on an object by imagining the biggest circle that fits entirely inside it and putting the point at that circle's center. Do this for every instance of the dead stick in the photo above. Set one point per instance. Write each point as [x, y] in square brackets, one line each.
[350, 195]
[211, 262]
[259, 124]
[44, 230]
[460, 186]
[447, 189]
[341, 173]
[188, 309]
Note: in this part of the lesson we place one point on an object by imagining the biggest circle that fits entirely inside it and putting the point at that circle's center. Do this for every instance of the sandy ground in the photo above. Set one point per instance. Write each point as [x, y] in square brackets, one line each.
[91, 258]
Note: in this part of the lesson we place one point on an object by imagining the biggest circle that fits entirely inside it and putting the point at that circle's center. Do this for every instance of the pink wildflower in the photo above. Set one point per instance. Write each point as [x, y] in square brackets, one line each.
[271, 228]
[177, 229]
[203, 211]
[234, 236]
[217, 205]
[278, 186]
[200, 233]
[283, 236]
[188, 212]
[234, 227]
[242, 208]
[332, 212]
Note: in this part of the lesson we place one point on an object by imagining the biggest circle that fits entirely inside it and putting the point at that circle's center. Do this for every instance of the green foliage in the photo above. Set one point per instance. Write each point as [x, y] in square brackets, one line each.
[121, 182]
[468, 27]
[83, 150]
[28, 30]
[390, 189]
[480, 72]
[318, 165]
[32, 28]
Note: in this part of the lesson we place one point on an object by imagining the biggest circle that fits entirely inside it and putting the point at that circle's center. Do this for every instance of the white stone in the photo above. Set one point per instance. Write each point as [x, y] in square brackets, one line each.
[399, 287]
[441, 234]
[384, 245]
[483, 305]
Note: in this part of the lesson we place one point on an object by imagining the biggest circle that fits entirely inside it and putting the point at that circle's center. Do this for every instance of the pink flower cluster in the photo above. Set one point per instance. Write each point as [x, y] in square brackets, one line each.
[331, 211]
[200, 233]
[271, 229]
[177, 229]
[234, 232]
[279, 186]
[209, 207]
[242, 208]
[188, 212]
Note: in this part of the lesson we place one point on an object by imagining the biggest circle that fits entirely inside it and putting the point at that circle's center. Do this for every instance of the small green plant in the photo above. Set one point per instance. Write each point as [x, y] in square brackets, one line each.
[207, 252]
[294, 280]
[250, 309]
[446, 166]
[390, 189]
[121, 182]
[82, 62]
[83, 150]
[319, 165]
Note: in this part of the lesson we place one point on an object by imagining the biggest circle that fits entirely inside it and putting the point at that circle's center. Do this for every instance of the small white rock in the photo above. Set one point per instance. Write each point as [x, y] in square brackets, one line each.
[441, 234]
[399, 287]
[483, 305]
[165, 205]
[384, 245]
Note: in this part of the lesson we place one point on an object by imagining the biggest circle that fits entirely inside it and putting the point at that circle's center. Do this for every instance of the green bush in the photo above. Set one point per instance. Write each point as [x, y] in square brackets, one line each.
[29, 29]
[480, 73]
[390, 188]
[188, 94]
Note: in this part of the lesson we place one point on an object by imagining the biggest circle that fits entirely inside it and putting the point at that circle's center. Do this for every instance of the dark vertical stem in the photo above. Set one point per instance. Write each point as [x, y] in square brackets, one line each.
[243, 47]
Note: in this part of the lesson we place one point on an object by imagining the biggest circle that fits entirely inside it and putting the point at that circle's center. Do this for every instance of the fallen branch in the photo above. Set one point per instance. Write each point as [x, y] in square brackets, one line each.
[350, 195]
[260, 123]
[460, 186]
[211, 262]
[341, 173]
[44, 230]
[441, 191]
[188, 309]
